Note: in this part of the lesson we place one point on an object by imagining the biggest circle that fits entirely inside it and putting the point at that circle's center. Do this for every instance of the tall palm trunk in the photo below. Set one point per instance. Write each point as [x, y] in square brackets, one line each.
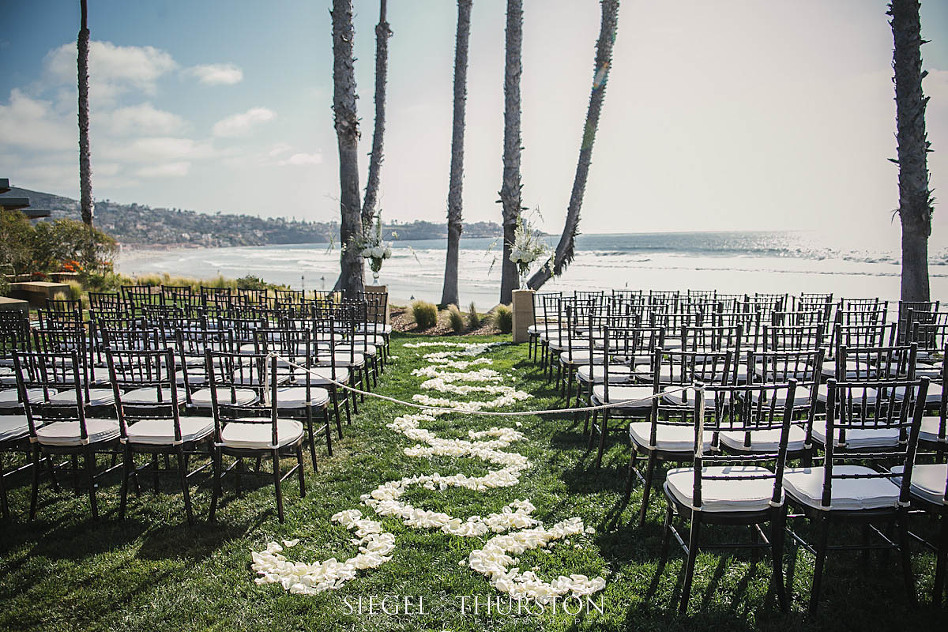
[510, 191]
[85, 161]
[347, 135]
[382, 33]
[915, 204]
[449, 294]
[565, 248]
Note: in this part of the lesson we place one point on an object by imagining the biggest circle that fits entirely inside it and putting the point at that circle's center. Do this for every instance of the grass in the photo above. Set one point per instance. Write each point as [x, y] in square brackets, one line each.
[153, 573]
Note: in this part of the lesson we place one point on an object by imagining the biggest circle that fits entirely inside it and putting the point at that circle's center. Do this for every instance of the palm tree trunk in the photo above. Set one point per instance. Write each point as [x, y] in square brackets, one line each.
[347, 135]
[565, 248]
[382, 33]
[449, 294]
[511, 188]
[915, 203]
[85, 161]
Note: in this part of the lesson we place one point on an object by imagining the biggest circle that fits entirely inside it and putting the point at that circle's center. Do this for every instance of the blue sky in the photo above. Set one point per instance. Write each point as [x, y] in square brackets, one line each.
[724, 115]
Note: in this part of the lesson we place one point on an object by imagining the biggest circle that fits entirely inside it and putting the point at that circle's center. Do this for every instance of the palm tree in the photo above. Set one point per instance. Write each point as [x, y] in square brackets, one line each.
[563, 254]
[85, 162]
[511, 188]
[347, 136]
[915, 201]
[449, 295]
[382, 33]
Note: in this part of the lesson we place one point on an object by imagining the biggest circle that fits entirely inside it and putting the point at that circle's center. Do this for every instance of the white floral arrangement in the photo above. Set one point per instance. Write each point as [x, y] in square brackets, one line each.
[527, 247]
[375, 249]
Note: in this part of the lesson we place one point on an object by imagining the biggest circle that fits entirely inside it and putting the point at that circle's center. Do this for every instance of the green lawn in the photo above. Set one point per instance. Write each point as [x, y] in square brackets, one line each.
[152, 572]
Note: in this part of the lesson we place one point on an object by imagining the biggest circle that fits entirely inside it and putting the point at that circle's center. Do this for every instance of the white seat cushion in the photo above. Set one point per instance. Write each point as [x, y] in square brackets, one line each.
[859, 438]
[928, 481]
[259, 434]
[617, 374]
[719, 495]
[97, 397]
[668, 437]
[801, 396]
[342, 359]
[854, 369]
[66, 433]
[581, 357]
[321, 375]
[9, 398]
[931, 425]
[857, 393]
[293, 397]
[161, 431]
[13, 427]
[241, 397]
[640, 397]
[149, 395]
[805, 484]
[764, 441]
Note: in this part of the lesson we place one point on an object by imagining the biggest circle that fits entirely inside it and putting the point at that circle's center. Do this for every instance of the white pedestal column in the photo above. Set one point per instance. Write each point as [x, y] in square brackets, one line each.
[522, 307]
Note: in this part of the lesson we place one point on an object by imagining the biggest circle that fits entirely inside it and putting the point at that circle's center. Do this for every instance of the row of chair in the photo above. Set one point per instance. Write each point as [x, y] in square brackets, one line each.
[850, 377]
[121, 383]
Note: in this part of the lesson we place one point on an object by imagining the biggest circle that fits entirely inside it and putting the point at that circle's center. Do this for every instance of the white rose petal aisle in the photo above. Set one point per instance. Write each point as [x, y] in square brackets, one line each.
[513, 531]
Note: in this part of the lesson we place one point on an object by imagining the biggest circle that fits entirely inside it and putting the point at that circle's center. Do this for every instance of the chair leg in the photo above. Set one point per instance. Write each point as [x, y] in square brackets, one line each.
[185, 490]
[666, 535]
[941, 559]
[603, 431]
[276, 484]
[328, 422]
[312, 436]
[820, 562]
[777, 539]
[902, 526]
[127, 470]
[336, 412]
[75, 474]
[647, 488]
[630, 478]
[90, 477]
[299, 470]
[36, 477]
[216, 465]
[4, 507]
[690, 564]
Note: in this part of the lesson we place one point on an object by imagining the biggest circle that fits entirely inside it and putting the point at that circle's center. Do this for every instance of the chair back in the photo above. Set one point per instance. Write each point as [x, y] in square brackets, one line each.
[52, 373]
[898, 406]
[741, 409]
[230, 372]
[133, 369]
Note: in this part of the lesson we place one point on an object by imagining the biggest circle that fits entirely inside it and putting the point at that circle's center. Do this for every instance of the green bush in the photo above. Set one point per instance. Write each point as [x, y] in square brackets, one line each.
[426, 314]
[473, 318]
[503, 318]
[456, 319]
[74, 293]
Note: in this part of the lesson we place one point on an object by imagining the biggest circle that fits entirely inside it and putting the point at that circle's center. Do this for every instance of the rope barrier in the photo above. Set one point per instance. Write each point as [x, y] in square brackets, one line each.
[483, 413]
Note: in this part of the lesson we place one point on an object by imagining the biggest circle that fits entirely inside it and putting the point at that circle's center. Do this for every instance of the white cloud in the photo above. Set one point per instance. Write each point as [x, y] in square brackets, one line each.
[240, 124]
[112, 69]
[217, 74]
[302, 159]
[143, 119]
[156, 149]
[166, 170]
[279, 149]
[32, 124]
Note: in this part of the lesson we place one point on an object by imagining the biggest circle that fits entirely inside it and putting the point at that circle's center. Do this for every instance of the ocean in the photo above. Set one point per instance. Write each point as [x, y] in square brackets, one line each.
[730, 262]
